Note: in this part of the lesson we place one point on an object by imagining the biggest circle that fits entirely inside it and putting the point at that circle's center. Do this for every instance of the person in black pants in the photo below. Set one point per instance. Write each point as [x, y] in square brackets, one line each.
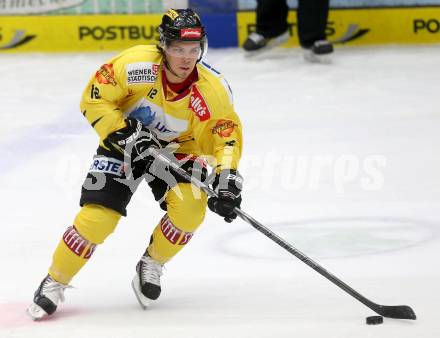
[272, 26]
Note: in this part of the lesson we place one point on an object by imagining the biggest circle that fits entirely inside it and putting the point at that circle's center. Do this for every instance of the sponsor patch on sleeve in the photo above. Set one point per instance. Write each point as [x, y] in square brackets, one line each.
[224, 128]
[106, 74]
[198, 105]
[141, 72]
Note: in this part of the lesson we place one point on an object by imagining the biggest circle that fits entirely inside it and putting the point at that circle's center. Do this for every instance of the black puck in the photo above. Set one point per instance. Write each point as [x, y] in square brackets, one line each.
[374, 320]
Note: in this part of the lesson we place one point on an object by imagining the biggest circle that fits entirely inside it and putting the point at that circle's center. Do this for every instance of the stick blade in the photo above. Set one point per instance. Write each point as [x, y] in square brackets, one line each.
[397, 312]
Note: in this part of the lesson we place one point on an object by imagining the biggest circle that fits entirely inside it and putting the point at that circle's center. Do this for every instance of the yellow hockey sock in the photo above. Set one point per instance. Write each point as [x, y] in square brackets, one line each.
[186, 211]
[92, 225]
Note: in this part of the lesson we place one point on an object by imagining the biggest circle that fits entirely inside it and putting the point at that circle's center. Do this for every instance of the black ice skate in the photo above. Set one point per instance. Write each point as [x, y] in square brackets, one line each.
[46, 299]
[146, 282]
[257, 43]
[319, 52]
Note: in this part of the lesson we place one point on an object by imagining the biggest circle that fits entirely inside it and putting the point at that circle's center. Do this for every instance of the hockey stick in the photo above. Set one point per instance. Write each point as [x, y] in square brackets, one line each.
[398, 311]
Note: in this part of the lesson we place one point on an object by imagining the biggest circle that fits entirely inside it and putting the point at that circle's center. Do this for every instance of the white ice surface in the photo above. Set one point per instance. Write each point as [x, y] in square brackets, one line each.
[312, 134]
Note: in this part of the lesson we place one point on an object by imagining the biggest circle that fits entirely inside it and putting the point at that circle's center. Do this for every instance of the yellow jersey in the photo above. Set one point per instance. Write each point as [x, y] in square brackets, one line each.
[201, 120]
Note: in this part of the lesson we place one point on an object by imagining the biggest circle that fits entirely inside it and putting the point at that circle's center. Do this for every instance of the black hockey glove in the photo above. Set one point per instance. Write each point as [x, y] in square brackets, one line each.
[227, 184]
[133, 141]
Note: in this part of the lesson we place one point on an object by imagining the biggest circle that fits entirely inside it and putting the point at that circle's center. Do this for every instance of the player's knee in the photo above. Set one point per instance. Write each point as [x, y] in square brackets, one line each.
[95, 222]
[186, 207]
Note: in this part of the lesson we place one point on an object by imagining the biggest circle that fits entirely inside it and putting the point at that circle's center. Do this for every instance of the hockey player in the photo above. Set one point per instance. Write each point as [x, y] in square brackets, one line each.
[151, 96]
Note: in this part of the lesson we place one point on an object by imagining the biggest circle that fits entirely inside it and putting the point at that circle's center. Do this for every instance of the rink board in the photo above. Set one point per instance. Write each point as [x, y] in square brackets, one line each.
[365, 26]
[115, 32]
[77, 32]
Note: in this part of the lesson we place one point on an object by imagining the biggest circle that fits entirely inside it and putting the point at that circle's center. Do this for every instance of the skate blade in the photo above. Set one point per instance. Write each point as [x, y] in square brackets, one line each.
[36, 312]
[144, 302]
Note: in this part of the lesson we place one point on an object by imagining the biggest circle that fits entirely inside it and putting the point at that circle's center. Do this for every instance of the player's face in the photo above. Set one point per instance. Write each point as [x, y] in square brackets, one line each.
[182, 57]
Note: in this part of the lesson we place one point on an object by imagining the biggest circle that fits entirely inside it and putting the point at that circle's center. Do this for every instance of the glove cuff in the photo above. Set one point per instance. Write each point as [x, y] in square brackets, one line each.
[227, 179]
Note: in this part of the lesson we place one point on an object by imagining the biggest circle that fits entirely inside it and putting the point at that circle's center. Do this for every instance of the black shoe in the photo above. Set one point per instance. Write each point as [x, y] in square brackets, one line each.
[319, 52]
[322, 47]
[257, 42]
